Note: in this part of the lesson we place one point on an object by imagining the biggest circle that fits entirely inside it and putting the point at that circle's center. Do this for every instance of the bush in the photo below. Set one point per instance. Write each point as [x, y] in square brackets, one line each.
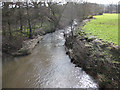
[13, 44]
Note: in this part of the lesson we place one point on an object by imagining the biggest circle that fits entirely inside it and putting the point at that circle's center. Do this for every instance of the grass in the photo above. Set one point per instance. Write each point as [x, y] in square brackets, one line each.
[105, 27]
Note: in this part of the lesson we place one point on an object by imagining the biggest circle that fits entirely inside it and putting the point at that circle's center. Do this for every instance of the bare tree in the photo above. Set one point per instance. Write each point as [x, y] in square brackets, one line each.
[29, 20]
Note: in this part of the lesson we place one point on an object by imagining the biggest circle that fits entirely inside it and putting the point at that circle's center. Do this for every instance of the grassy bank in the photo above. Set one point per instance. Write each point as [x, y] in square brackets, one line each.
[98, 58]
[104, 27]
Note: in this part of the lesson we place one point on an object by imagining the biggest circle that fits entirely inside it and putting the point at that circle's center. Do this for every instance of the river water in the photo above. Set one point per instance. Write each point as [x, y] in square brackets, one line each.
[47, 67]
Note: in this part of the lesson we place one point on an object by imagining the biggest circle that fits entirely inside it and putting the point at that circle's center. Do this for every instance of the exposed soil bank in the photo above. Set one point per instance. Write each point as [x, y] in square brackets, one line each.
[98, 58]
[27, 46]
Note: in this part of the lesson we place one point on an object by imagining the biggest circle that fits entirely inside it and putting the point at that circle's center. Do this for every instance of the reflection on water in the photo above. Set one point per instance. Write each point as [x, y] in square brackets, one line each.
[47, 67]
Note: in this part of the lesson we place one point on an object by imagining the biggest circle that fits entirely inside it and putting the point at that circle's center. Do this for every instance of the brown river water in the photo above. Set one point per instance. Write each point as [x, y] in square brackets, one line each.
[47, 67]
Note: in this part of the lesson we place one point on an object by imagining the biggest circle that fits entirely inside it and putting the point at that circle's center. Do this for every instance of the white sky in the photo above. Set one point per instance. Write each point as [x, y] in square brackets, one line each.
[93, 1]
[104, 1]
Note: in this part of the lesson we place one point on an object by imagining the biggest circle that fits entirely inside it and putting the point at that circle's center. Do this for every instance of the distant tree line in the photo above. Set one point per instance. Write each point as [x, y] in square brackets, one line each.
[111, 8]
[24, 20]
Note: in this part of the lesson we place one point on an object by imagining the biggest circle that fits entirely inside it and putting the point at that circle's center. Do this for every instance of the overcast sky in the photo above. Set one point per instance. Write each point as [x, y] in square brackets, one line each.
[105, 1]
[93, 1]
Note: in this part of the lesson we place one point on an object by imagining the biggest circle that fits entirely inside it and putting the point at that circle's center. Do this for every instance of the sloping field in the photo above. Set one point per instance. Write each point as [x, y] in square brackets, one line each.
[104, 27]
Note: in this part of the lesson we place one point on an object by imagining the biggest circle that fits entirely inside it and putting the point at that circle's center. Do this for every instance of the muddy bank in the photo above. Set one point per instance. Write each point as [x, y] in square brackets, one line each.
[98, 58]
[27, 46]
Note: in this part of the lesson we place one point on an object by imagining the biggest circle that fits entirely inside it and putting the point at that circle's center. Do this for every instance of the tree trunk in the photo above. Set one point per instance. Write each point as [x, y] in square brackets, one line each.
[21, 26]
[29, 22]
[9, 28]
[30, 32]
[41, 22]
[3, 31]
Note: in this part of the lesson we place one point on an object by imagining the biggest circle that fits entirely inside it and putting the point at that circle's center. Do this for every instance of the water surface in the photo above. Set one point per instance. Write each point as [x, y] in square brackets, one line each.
[47, 67]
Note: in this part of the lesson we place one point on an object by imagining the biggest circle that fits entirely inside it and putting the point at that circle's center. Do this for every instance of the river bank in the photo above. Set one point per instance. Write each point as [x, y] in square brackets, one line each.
[47, 66]
[98, 58]
[26, 46]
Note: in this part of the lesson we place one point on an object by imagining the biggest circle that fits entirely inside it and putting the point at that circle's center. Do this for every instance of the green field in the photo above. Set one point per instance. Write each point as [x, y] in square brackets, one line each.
[105, 27]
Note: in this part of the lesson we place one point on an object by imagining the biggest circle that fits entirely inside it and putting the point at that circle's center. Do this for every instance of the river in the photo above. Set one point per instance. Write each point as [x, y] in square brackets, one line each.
[47, 67]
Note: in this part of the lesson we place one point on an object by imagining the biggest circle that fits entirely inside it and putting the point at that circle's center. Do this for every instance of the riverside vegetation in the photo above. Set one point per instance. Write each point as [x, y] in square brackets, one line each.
[97, 56]
[28, 20]
[25, 23]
